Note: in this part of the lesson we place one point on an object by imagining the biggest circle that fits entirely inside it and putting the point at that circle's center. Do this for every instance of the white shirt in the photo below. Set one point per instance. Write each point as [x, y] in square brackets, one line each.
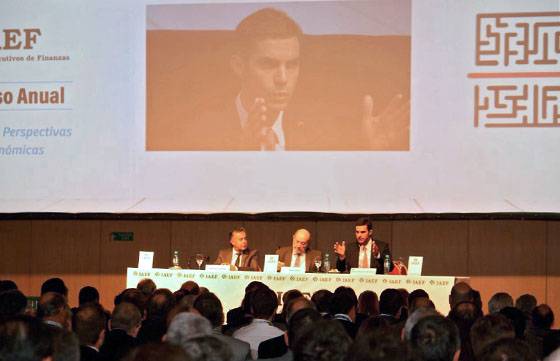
[234, 256]
[301, 260]
[276, 127]
[257, 331]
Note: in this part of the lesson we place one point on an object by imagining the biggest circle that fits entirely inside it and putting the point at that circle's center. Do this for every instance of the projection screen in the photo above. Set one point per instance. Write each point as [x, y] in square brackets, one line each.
[381, 106]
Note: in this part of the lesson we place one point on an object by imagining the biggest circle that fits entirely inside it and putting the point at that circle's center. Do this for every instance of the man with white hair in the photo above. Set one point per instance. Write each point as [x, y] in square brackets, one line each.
[299, 254]
[186, 325]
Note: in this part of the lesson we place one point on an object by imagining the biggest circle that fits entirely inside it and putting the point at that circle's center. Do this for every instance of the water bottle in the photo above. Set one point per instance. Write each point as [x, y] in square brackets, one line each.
[327, 263]
[175, 260]
[387, 264]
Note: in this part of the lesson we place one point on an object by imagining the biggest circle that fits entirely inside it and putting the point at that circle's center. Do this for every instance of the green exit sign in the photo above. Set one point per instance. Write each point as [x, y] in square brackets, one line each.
[122, 236]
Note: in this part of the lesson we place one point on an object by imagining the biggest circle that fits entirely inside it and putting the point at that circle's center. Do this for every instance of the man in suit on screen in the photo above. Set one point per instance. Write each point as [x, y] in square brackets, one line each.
[299, 254]
[239, 254]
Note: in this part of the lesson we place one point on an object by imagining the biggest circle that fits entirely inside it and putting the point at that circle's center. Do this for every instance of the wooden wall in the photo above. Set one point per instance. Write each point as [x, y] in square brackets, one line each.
[516, 256]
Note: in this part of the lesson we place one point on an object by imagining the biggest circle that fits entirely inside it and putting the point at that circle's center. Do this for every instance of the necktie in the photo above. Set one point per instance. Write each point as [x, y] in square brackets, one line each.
[269, 140]
[297, 263]
[363, 257]
[238, 260]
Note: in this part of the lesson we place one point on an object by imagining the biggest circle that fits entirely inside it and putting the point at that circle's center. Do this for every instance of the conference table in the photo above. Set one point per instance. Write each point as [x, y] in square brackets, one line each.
[229, 286]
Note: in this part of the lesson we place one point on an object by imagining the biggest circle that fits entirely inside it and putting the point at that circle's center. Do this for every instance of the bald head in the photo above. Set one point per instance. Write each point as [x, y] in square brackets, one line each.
[301, 240]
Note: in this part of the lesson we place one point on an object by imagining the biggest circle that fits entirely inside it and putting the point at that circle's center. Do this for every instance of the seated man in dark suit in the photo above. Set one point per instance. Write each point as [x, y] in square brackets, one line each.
[343, 308]
[124, 326]
[239, 254]
[367, 252]
[89, 325]
[299, 254]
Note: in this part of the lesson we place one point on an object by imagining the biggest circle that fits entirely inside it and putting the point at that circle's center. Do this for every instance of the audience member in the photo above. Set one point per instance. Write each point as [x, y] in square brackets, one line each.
[343, 308]
[322, 300]
[154, 326]
[89, 325]
[460, 292]
[391, 305]
[124, 325]
[159, 352]
[54, 285]
[185, 326]
[435, 338]
[210, 307]
[206, 348]
[489, 329]
[324, 340]
[499, 301]
[54, 310]
[526, 303]
[264, 303]
[508, 349]
[23, 338]
[147, 287]
[12, 303]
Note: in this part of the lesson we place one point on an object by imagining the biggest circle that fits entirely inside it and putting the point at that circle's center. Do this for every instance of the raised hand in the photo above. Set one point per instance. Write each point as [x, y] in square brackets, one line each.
[340, 249]
[384, 130]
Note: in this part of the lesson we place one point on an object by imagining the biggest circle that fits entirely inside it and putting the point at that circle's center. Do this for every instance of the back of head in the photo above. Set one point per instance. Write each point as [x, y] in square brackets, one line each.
[134, 296]
[465, 314]
[207, 348]
[299, 321]
[499, 301]
[489, 329]
[250, 290]
[88, 294]
[51, 304]
[185, 326]
[526, 303]
[147, 286]
[54, 285]
[267, 23]
[190, 288]
[418, 298]
[126, 316]
[415, 317]
[517, 318]
[322, 300]
[508, 349]
[461, 292]
[368, 303]
[24, 338]
[12, 303]
[296, 305]
[160, 303]
[88, 323]
[435, 338]
[343, 300]
[264, 303]
[325, 340]
[7, 285]
[210, 307]
[543, 317]
[65, 346]
[378, 346]
[390, 302]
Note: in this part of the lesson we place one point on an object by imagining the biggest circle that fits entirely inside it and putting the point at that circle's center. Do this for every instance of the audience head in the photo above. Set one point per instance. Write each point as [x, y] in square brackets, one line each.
[89, 324]
[297, 304]
[499, 301]
[54, 285]
[391, 302]
[264, 303]
[316, 342]
[206, 348]
[134, 296]
[210, 307]
[88, 294]
[65, 346]
[190, 288]
[508, 349]
[526, 303]
[160, 303]
[7, 285]
[146, 286]
[322, 300]
[24, 338]
[344, 301]
[368, 303]
[12, 303]
[418, 298]
[435, 338]
[414, 318]
[543, 317]
[461, 292]
[489, 329]
[517, 319]
[126, 316]
[299, 321]
[185, 326]
[53, 307]
[378, 345]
